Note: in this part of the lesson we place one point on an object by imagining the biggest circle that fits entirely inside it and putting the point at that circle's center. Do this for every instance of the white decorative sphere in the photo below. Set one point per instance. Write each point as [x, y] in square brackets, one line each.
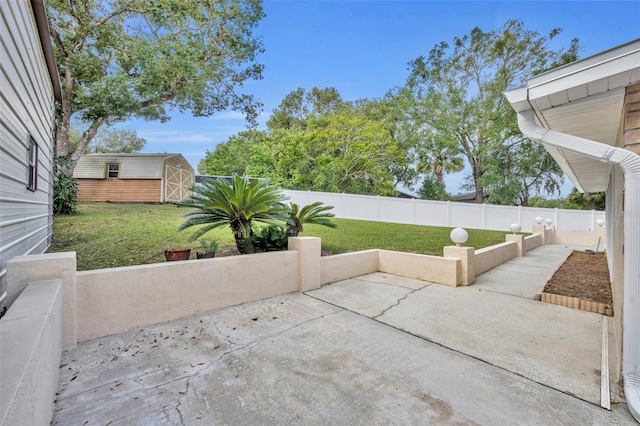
[459, 236]
[549, 221]
[539, 220]
[600, 222]
[515, 227]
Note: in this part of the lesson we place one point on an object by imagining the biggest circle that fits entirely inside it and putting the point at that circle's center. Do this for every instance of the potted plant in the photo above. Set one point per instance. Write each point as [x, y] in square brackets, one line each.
[172, 254]
[209, 249]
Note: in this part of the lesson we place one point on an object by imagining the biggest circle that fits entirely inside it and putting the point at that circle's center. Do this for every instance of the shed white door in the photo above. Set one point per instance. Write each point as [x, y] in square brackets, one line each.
[177, 183]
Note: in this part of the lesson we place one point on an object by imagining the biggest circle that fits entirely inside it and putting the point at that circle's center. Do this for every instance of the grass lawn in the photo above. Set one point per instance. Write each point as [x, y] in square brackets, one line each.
[108, 235]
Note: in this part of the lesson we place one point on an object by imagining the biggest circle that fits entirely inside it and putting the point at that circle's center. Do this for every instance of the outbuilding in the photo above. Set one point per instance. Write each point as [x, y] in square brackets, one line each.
[134, 178]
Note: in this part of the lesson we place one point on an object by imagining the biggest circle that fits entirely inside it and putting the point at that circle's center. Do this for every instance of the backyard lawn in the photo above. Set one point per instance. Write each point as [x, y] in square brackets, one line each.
[107, 235]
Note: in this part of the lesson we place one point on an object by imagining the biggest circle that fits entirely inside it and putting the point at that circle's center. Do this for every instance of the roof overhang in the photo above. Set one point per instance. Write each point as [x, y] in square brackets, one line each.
[584, 99]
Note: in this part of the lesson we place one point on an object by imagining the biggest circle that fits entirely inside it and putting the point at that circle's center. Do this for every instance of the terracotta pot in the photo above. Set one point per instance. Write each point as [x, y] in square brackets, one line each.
[173, 255]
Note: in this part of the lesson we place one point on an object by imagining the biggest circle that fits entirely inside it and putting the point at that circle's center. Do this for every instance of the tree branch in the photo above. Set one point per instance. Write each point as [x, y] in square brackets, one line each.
[107, 18]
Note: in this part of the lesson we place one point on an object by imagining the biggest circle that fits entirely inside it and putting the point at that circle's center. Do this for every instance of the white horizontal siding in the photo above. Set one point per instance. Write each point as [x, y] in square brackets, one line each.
[26, 108]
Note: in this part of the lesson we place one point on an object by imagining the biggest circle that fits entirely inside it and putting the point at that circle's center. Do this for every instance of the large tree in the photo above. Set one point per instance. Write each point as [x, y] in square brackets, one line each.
[116, 140]
[300, 106]
[459, 88]
[142, 58]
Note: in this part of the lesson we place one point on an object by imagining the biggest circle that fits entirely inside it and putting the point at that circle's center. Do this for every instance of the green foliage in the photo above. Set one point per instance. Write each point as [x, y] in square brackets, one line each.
[270, 238]
[575, 201]
[122, 59]
[237, 204]
[520, 169]
[209, 246]
[237, 156]
[545, 203]
[344, 151]
[431, 189]
[457, 95]
[116, 141]
[314, 213]
[580, 201]
[65, 188]
[299, 106]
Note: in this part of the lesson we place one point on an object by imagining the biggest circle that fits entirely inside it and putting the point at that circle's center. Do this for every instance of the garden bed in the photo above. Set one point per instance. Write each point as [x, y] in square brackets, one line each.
[582, 282]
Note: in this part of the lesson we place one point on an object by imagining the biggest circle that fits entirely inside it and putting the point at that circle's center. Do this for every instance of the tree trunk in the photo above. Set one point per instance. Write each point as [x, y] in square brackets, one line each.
[63, 127]
[476, 171]
[63, 116]
[440, 182]
[244, 245]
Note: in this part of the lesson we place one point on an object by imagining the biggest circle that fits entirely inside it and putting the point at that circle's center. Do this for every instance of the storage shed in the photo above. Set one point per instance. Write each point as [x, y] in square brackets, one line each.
[134, 178]
[30, 88]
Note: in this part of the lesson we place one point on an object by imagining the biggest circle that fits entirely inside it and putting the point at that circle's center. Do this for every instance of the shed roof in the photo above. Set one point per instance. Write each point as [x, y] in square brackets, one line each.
[132, 166]
[584, 99]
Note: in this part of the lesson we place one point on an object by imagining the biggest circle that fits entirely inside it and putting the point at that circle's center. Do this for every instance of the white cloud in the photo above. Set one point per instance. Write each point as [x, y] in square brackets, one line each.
[228, 115]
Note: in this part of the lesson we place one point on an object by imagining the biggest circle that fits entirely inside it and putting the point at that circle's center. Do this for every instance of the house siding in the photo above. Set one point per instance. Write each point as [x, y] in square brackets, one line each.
[26, 109]
[120, 190]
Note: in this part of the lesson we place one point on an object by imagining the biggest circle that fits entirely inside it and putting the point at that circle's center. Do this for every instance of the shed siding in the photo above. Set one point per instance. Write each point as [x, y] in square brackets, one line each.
[178, 178]
[120, 190]
[131, 166]
[26, 108]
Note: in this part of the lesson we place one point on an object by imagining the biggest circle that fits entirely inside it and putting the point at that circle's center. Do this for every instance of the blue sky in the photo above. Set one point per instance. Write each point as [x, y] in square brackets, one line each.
[362, 48]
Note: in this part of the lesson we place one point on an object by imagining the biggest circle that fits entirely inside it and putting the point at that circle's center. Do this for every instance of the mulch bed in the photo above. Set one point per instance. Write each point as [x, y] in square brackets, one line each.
[585, 276]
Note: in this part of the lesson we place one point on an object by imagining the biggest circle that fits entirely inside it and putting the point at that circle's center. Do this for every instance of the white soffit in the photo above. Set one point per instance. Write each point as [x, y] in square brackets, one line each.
[596, 118]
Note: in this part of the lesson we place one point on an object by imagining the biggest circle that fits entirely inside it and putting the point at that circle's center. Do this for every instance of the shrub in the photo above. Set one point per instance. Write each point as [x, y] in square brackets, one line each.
[65, 188]
[270, 238]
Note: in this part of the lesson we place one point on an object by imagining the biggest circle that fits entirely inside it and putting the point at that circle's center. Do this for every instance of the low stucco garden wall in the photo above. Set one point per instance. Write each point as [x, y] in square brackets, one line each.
[30, 351]
[441, 270]
[490, 257]
[581, 238]
[348, 265]
[115, 300]
[532, 241]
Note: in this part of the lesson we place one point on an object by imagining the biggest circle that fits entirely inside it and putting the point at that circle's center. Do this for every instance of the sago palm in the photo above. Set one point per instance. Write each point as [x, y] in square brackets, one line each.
[312, 213]
[236, 204]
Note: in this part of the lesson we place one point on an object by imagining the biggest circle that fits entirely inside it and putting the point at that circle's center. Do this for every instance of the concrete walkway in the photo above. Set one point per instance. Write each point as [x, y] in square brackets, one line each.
[525, 276]
[375, 350]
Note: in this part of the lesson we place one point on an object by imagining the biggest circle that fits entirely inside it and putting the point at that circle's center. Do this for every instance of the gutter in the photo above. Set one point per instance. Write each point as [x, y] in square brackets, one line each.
[629, 162]
[40, 16]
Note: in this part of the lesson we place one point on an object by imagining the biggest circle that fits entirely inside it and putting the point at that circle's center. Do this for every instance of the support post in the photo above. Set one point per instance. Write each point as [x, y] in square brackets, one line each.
[467, 261]
[309, 269]
[23, 270]
[519, 239]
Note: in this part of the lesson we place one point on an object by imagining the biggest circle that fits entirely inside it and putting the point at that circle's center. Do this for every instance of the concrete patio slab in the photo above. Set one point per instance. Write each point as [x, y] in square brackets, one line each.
[558, 347]
[295, 359]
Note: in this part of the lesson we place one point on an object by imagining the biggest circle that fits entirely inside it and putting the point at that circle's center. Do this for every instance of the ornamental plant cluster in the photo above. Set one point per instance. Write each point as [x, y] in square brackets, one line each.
[241, 203]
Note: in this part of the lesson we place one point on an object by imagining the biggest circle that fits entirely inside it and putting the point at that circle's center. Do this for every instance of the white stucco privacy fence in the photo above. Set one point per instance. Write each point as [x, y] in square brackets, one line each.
[445, 213]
